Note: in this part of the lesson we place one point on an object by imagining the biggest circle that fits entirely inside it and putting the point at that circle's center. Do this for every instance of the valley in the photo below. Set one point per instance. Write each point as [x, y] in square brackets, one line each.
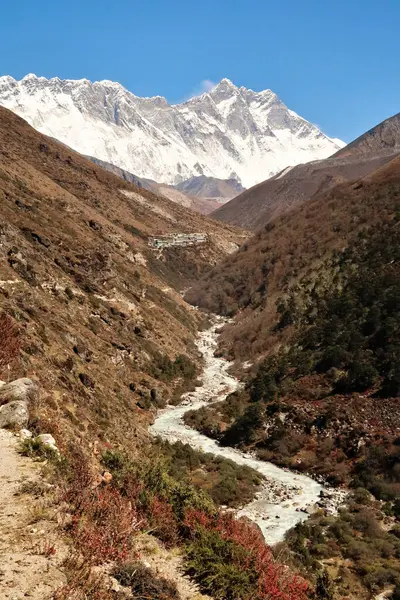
[285, 497]
[221, 392]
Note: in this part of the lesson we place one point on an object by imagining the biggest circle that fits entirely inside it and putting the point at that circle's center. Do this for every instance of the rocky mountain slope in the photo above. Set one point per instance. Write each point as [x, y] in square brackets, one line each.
[382, 137]
[91, 318]
[229, 132]
[98, 306]
[313, 298]
[198, 204]
[255, 207]
[220, 190]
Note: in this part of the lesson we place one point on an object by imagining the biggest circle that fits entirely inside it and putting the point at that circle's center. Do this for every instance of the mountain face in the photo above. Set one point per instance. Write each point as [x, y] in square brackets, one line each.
[197, 203]
[255, 207]
[227, 133]
[254, 284]
[211, 187]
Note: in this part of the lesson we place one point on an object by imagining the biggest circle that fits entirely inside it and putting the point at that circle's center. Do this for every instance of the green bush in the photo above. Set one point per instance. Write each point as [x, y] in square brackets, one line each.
[35, 448]
[212, 562]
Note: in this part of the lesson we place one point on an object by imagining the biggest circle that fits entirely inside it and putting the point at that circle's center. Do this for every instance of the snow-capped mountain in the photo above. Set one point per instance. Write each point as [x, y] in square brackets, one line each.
[229, 132]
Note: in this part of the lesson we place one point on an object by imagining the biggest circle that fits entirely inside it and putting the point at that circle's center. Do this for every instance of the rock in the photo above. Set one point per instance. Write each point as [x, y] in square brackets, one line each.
[107, 477]
[47, 440]
[311, 509]
[115, 586]
[25, 434]
[14, 415]
[23, 389]
[94, 225]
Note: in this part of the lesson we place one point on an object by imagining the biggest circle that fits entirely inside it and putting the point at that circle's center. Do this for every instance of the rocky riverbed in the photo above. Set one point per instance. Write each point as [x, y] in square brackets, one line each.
[285, 498]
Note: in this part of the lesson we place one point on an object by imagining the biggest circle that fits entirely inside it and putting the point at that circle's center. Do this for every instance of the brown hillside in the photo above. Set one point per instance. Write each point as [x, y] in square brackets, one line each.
[100, 319]
[202, 205]
[249, 283]
[382, 137]
[255, 207]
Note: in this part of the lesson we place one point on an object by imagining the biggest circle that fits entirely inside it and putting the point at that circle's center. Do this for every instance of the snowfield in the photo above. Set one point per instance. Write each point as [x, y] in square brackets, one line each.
[229, 132]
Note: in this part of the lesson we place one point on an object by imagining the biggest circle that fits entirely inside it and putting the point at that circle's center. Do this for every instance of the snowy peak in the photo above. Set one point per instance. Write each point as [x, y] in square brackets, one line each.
[228, 132]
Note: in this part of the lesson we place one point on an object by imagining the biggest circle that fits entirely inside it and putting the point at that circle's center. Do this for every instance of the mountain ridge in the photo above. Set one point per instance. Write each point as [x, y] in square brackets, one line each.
[229, 132]
[255, 207]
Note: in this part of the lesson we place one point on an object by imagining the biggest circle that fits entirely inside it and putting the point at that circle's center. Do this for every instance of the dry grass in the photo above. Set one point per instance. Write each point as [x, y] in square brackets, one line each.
[73, 276]
[10, 343]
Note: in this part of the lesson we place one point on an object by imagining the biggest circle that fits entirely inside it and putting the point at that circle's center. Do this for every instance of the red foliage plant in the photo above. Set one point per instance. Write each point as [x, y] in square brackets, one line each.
[275, 581]
[103, 521]
[104, 525]
[163, 521]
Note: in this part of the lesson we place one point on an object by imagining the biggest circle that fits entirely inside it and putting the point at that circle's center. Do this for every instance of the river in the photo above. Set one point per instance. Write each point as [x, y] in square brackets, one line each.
[285, 496]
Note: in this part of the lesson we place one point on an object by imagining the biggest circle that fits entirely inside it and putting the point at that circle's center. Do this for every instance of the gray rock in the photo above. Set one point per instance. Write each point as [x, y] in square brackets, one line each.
[25, 434]
[311, 509]
[47, 440]
[14, 415]
[23, 389]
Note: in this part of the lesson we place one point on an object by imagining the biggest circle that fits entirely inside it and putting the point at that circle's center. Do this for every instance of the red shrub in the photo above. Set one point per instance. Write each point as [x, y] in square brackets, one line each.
[163, 521]
[275, 581]
[103, 521]
[104, 524]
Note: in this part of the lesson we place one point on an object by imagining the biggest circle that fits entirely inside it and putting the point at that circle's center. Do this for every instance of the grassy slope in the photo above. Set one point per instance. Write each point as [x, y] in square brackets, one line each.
[97, 307]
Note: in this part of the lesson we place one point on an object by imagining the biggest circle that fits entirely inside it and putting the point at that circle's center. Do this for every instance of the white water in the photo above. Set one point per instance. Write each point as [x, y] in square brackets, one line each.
[285, 495]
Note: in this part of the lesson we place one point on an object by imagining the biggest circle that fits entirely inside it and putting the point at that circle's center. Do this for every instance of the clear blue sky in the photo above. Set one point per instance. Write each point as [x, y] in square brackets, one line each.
[335, 62]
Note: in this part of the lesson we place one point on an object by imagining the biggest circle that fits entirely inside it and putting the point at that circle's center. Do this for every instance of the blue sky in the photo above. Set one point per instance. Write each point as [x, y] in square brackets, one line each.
[335, 62]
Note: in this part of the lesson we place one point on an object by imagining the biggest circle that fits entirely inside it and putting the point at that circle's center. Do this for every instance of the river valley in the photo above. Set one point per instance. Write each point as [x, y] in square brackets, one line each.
[285, 496]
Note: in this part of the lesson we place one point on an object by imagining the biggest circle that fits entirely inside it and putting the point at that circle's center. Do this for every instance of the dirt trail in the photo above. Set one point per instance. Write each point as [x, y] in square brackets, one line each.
[27, 529]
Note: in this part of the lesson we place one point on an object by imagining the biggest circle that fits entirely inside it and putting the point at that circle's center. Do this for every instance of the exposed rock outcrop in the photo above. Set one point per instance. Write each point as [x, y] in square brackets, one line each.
[23, 390]
[14, 415]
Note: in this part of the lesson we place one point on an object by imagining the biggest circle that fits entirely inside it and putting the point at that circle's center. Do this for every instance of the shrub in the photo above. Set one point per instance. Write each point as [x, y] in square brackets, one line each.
[103, 520]
[217, 566]
[230, 559]
[163, 521]
[34, 448]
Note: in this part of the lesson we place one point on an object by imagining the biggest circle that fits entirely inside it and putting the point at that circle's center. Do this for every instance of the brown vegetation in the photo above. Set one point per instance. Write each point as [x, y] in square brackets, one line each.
[96, 305]
[248, 284]
[10, 343]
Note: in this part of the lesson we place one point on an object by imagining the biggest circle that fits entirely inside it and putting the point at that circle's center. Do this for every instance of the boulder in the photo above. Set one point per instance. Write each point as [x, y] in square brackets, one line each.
[23, 389]
[47, 440]
[25, 434]
[310, 510]
[14, 415]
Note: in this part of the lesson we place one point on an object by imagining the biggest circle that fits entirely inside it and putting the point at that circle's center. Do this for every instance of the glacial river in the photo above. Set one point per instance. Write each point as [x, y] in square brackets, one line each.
[285, 496]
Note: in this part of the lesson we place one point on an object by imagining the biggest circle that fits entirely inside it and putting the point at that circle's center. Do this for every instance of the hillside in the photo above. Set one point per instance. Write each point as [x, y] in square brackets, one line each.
[314, 298]
[95, 336]
[248, 284]
[255, 207]
[221, 190]
[385, 136]
[98, 306]
[228, 132]
[198, 204]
